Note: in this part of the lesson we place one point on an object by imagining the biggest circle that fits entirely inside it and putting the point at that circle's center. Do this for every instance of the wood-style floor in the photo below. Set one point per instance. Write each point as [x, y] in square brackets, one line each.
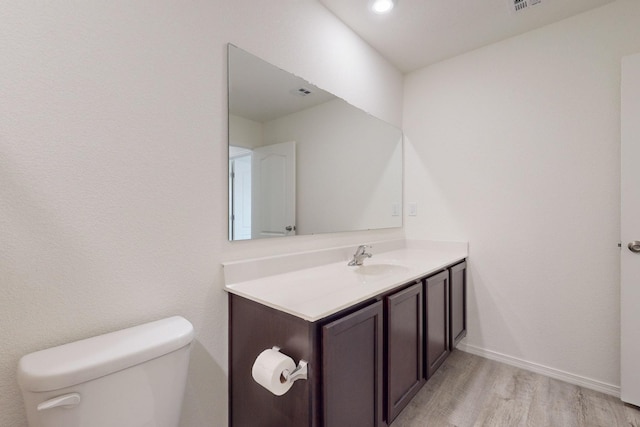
[469, 391]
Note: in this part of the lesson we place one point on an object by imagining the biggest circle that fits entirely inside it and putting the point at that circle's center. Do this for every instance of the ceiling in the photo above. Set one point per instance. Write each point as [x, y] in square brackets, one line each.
[261, 92]
[418, 33]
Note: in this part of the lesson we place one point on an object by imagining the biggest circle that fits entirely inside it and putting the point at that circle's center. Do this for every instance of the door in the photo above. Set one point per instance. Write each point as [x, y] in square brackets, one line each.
[630, 232]
[240, 197]
[404, 323]
[273, 198]
[352, 369]
[437, 321]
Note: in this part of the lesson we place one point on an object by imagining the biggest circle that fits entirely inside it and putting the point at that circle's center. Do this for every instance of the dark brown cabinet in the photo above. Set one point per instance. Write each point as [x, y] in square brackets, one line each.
[404, 325]
[345, 353]
[366, 362]
[352, 369]
[436, 321]
[253, 328]
[458, 303]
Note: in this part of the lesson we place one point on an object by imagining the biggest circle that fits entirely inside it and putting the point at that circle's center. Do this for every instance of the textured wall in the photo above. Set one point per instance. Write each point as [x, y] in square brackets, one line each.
[113, 166]
[515, 147]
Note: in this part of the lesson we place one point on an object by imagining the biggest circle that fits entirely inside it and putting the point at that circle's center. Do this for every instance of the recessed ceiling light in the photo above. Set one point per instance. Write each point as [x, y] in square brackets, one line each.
[382, 6]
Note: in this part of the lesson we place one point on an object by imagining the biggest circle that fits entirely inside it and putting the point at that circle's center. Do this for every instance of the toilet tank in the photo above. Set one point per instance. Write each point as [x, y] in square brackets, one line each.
[134, 377]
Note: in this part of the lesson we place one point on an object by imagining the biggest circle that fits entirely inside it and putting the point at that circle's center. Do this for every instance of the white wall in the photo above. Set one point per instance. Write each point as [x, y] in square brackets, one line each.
[244, 132]
[515, 147]
[348, 166]
[113, 164]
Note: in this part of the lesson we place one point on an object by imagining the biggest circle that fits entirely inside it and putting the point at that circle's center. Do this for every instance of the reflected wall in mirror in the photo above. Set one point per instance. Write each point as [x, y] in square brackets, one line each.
[302, 161]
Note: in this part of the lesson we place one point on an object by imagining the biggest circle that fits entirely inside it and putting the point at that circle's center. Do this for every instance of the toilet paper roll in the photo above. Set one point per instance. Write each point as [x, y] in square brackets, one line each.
[268, 371]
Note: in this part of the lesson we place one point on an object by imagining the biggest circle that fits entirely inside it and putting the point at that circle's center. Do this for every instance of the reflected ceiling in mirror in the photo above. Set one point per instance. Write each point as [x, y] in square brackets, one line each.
[302, 161]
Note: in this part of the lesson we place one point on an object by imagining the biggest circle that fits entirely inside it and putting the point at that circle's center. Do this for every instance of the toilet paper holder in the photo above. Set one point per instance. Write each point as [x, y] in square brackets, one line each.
[300, 373]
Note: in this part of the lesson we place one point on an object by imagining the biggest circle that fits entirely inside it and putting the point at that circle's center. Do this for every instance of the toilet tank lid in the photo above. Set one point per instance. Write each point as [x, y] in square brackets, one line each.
[91, 358]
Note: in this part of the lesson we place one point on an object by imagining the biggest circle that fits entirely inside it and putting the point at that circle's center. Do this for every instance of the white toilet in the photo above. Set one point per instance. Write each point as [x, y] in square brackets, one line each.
[130, 378]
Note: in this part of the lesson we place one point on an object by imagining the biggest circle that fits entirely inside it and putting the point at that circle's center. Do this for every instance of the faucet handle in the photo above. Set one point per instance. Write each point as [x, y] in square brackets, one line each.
[360, 254]
[362, 249]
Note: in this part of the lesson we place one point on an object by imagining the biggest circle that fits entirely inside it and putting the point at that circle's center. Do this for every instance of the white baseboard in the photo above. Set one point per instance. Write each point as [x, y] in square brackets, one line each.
[542, 370]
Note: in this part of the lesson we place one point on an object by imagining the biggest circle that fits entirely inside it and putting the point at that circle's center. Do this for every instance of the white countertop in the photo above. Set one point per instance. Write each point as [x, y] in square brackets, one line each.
[319, 291]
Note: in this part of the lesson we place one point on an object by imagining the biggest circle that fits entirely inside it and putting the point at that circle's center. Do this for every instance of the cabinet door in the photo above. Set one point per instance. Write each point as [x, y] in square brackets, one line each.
[404, 321]
[437, 321]
[352, 369]
[458, 306]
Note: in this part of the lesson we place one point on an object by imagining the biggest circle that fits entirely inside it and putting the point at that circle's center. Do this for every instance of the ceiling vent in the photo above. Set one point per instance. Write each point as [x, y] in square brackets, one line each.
[303, 91]
[521, 5]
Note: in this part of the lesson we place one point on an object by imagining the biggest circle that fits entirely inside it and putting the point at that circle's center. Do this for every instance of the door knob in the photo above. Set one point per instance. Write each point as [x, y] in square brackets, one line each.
[634, 246]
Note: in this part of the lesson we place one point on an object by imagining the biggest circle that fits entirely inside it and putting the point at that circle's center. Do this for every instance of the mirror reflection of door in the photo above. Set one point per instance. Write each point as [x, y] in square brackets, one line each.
[239, 193]
[274, 190]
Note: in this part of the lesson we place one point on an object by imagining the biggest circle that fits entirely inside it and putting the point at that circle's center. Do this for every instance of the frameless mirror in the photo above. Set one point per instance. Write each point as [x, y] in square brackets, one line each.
[302, 161]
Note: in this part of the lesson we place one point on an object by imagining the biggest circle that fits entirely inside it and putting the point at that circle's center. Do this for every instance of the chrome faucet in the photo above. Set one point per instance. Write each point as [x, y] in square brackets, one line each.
[360, 255]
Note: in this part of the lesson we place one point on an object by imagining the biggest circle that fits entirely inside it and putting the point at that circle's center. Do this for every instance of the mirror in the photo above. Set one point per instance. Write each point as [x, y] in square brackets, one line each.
[302, 161]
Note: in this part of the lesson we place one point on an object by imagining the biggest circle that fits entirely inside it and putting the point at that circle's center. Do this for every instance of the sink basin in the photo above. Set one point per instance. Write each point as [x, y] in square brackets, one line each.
[380, 269]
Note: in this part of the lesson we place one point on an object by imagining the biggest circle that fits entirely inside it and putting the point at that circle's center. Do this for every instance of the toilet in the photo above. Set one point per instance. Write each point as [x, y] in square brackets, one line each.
[134, 377]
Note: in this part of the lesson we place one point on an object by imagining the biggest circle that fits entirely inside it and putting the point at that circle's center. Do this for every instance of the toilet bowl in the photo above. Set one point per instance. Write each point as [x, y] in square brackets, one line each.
[129, 378]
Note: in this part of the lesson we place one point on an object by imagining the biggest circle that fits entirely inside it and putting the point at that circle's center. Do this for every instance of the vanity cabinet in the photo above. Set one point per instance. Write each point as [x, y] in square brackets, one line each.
[345, 353]
[366, 362]
[254, 327]
[436, 304]
[404, 326]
